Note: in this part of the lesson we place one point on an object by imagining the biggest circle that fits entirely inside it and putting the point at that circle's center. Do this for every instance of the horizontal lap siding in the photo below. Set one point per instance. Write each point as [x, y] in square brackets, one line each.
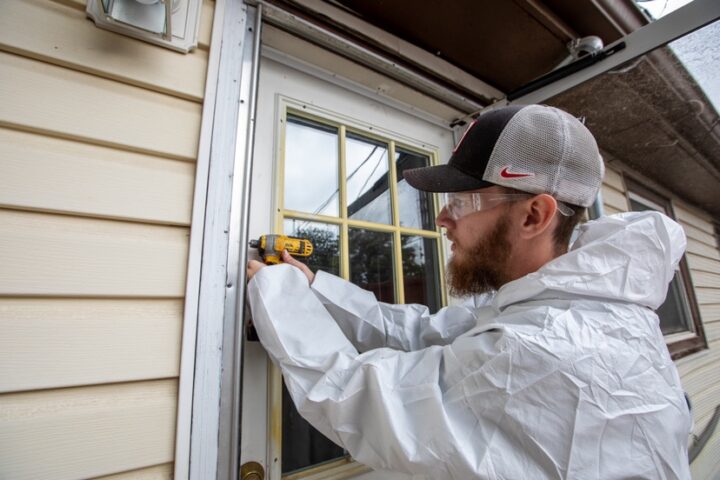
[55, 175]
[88, 431]
[98, 141]
[95, 110]
[613, 195]
[701, 372]
[158, 472]
[51, 343]
[57, 255]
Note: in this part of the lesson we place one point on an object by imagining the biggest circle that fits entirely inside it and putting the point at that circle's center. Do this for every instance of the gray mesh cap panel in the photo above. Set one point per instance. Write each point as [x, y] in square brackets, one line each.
[546, 150]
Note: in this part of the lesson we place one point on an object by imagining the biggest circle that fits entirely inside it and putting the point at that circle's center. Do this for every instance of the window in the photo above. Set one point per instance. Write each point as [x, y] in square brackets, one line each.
[342, 187]
[679, 314]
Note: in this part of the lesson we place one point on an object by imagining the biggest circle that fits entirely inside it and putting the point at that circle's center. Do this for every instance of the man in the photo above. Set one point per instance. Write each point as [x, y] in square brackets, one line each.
[564, 375]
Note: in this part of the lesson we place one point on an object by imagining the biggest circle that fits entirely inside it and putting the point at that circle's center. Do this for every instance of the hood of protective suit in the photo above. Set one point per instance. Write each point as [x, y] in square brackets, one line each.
[629, 257]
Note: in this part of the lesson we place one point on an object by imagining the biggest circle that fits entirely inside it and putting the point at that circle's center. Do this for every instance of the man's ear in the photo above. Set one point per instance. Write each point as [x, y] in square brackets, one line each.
[538, 215]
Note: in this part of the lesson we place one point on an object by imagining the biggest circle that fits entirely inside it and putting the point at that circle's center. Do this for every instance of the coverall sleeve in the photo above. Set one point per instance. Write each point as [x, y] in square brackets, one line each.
[370, 324]
[392, 410]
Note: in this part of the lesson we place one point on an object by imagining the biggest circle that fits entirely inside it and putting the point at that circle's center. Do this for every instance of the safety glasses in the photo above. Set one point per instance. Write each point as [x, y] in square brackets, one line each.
[460, 204]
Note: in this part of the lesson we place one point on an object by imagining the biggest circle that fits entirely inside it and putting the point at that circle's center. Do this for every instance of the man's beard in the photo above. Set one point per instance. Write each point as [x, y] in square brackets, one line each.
[484, 267]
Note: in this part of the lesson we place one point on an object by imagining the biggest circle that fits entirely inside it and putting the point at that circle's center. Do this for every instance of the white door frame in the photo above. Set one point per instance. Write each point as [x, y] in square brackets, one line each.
[207, 444]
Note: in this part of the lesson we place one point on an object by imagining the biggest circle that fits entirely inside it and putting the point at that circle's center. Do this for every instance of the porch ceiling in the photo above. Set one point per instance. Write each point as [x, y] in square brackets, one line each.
[505, 43]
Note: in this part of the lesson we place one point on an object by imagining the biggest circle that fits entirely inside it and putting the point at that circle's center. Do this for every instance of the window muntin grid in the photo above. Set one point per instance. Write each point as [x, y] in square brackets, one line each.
[407, 242]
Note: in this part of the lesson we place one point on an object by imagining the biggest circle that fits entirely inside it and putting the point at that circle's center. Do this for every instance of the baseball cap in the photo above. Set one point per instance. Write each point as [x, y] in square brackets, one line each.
[532, 148]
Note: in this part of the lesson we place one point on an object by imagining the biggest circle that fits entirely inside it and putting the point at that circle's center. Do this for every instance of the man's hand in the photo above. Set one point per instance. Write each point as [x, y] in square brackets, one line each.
[287, 258]
[254, 266]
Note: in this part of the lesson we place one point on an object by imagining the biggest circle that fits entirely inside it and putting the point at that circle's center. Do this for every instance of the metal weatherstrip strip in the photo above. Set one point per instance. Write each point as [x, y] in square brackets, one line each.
[192, 289]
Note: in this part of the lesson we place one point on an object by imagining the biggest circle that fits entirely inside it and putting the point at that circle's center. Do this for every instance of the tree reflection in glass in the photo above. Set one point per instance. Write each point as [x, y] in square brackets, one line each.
[416, 207]
[371, 262]
[325, 239]
[420, 271]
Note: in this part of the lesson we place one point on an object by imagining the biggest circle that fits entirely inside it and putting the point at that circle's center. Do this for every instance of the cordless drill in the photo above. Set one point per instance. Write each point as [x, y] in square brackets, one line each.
[270, 247]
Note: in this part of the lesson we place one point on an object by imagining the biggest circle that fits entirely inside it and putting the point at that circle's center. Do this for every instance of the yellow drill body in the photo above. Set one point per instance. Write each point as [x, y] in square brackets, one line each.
[270, 247]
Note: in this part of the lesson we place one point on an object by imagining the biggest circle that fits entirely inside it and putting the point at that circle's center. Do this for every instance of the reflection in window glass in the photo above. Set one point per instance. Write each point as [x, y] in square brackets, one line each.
[416, 207]
[311, 167]
[371, 262]
[673, 313]
[420, 271]
[368, 197]
[302, 445]
[325, 239]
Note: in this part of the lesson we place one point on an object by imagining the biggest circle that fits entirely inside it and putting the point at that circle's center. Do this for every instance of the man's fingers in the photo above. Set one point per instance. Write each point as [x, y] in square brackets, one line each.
[253, 267]
[287, 258]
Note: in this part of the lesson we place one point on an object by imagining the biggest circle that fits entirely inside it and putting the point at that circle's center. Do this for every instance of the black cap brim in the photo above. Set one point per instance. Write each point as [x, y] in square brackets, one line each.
[443, 178]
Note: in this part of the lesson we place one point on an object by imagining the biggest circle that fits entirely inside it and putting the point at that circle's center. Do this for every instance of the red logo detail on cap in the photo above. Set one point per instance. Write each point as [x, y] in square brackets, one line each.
[464, 135]
[506, 173]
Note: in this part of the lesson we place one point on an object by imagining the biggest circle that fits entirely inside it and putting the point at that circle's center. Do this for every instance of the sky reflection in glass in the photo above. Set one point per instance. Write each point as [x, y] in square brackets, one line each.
[311, 167]
[367, 180]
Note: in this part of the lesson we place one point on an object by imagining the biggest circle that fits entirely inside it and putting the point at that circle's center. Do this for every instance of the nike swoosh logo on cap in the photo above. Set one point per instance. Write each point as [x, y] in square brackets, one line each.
[506, 173]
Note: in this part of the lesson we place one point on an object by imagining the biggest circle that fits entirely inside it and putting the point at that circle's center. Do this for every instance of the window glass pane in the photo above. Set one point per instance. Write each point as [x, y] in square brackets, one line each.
[673, 312]
[302, 445]
[311, 167]
[416, 207]
[326, 243]
[368, 196]
[371, 262]
[420, 271]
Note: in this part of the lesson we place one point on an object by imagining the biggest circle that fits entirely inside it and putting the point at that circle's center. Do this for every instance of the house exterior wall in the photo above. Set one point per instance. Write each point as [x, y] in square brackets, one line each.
[700, 372]
[98, 141]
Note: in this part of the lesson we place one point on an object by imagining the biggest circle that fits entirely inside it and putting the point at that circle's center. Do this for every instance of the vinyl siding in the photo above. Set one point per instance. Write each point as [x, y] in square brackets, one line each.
[613, 193]
[701, 372]
[98, 141]
[158, 472]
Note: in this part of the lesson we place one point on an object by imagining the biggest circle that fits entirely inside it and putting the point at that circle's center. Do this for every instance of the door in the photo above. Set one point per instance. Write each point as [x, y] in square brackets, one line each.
[328, 166]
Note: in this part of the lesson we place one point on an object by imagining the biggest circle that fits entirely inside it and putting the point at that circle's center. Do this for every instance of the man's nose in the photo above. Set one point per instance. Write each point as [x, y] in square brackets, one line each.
[443, 219]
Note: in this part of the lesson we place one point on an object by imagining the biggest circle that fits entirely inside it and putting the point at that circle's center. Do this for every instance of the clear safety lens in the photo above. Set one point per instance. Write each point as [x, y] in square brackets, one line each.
[459, 204]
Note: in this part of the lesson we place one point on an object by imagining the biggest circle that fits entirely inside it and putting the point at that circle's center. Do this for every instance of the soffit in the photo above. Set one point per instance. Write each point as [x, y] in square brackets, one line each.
[504, 43]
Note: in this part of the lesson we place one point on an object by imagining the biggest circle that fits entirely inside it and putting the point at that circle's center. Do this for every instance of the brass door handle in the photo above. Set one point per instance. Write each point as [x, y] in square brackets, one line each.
[252, 471]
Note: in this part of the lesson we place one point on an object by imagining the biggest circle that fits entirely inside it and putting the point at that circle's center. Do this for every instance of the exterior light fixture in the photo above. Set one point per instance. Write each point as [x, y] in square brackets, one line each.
[171, 23]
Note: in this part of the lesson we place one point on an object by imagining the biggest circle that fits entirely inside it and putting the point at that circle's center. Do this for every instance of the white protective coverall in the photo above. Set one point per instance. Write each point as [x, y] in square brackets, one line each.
[564, 375]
